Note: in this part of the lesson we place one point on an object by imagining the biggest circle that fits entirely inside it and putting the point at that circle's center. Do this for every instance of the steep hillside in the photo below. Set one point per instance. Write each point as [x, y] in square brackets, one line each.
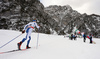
[69, 18]
[14, 14]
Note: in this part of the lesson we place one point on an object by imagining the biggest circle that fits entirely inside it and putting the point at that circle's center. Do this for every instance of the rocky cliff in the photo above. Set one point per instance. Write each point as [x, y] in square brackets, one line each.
[67, 18]
[14, 14]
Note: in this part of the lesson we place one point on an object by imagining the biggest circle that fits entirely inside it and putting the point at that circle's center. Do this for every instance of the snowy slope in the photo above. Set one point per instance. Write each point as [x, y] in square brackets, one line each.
[50, 47]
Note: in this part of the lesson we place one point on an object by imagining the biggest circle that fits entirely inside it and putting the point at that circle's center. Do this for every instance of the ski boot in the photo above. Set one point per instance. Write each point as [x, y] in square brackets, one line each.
[19, 45]
[27, 47]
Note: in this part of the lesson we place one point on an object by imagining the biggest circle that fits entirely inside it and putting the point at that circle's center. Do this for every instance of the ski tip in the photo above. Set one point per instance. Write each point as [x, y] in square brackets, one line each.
[1, 52]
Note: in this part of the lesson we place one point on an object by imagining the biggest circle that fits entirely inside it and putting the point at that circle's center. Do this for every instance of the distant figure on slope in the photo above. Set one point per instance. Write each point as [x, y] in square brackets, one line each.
[75, 36]
[71, 36]
[90, 37]
[28, 28]
[84, 36]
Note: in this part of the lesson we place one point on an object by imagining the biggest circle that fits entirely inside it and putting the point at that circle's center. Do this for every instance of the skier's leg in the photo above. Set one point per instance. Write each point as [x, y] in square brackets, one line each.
[25, 38]
[19, 44]
[84, 39]
[90, 40]
[29, 36]
[28, 42]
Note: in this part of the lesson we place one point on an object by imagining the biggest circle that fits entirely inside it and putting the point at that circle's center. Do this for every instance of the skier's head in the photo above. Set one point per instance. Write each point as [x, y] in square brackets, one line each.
[34, 20]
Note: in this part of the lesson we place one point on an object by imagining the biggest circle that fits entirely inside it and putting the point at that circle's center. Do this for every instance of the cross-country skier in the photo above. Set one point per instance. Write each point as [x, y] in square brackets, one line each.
[28, 28]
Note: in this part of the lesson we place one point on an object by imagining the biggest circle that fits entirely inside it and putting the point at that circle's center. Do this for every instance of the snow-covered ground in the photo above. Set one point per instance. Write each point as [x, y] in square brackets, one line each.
[50, 47]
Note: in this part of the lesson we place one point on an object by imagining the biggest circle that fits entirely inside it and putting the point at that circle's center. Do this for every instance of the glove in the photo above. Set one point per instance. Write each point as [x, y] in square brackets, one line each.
[23, 31]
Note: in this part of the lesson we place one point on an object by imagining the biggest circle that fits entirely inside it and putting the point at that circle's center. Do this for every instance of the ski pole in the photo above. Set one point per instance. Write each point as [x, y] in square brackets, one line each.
[37, 40]
[10, 41]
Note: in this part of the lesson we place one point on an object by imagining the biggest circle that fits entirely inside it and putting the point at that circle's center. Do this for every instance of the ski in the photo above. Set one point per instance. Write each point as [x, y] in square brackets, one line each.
[13, 51]
[94, 42]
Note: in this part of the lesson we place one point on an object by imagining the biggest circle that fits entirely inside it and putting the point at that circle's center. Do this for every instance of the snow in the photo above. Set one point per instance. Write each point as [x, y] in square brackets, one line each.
[87, 27]
[74, 29]
[50, 47]
[98, 18]
[94, 26]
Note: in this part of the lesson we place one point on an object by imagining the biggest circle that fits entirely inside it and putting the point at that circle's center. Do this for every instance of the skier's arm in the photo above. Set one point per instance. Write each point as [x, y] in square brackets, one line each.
[25, 28]
[37, 25]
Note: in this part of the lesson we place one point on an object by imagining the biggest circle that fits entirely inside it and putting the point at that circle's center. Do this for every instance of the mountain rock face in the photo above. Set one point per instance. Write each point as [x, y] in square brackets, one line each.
[15, 14]
[68, 19]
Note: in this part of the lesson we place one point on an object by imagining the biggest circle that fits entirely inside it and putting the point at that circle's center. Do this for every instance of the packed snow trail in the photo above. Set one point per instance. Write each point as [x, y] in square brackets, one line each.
[12, 51]
[51, 47]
